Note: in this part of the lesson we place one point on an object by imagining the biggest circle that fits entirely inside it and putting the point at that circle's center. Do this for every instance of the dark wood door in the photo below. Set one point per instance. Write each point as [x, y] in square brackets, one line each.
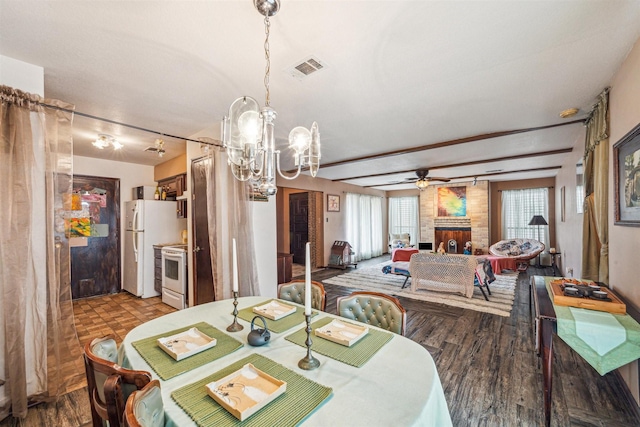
[95, 268]
[298, 225]
[202, 272]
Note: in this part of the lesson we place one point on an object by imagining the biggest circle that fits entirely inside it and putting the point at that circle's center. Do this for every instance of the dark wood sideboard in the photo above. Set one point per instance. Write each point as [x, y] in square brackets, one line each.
[284, 267]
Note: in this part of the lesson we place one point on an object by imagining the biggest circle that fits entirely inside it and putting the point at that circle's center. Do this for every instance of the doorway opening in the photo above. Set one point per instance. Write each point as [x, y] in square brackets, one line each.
[300, 220]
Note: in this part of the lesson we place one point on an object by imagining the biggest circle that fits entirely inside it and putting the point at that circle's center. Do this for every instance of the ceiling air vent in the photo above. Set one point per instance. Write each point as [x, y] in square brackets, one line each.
[306, 67]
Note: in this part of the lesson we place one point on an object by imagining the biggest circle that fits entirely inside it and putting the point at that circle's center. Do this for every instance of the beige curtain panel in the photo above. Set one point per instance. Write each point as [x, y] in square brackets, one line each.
[38, 343]
[595, 235]
[229, 217]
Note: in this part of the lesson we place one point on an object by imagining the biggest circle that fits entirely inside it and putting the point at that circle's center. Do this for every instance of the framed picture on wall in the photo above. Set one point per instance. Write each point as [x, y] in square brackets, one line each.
[333, 203]
[626, 163]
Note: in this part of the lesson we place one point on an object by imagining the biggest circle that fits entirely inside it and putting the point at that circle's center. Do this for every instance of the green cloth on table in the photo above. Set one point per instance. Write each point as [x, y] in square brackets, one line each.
[298, 401]
[280, 325]
[167, 367]
[605, 340]
[356, 355]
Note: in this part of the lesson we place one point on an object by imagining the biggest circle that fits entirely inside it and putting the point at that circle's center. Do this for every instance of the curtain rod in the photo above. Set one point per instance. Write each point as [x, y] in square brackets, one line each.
[114, 122]
[363, 194]
[528, 188]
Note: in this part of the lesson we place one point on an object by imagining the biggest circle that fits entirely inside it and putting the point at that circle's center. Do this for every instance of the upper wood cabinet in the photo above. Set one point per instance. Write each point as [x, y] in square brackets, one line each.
[176, 186]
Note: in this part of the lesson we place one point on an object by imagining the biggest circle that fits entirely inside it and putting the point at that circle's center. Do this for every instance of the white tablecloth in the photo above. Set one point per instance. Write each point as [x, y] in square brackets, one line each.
[398, 386]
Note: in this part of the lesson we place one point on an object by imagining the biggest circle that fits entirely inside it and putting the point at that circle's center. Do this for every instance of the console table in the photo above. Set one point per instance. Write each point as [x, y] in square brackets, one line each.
[606, 341]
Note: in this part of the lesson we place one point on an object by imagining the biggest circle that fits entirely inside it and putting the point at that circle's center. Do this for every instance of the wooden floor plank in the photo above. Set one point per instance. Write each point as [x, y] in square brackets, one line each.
[489, 371]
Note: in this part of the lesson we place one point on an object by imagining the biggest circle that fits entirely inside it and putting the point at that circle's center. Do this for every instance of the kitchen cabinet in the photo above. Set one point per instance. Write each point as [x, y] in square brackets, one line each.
[157, 268]
[176, 187]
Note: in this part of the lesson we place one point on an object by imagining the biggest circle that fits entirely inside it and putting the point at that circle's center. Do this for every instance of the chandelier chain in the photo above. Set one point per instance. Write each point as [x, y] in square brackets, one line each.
[267, 56]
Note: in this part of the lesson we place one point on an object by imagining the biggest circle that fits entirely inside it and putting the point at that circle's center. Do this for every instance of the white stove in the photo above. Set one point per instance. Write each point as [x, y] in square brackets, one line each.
[174, 276]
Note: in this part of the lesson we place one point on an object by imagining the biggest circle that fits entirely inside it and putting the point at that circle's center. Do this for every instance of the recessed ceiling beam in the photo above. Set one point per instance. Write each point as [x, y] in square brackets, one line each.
[474, 162]
[475, 175]
[447, 143]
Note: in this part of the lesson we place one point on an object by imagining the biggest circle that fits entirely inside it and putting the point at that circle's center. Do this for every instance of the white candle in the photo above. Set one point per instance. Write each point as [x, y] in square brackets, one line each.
[307, 281]
[235, 267]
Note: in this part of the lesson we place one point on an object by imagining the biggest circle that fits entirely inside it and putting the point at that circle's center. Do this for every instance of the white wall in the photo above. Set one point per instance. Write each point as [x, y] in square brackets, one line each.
[569, 232]
[21, 75]
[624, 242]
[335, 223]
[264, 240]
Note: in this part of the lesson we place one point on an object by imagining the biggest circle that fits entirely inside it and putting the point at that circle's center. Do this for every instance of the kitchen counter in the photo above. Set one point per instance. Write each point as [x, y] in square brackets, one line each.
[162, 245]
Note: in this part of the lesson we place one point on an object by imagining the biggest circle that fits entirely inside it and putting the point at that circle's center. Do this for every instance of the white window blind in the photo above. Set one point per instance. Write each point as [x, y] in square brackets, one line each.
[403, 217]
[518, 207]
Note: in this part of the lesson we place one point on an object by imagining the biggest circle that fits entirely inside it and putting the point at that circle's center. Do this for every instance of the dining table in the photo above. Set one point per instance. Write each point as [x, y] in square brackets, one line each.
[397, 384]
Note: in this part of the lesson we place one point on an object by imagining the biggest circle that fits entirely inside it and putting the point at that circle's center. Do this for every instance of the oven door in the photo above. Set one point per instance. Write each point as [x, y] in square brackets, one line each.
[174, 270]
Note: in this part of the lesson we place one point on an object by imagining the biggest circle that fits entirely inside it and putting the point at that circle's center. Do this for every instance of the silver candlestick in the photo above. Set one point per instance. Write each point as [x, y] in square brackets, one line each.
[308, 362]
[235, 326]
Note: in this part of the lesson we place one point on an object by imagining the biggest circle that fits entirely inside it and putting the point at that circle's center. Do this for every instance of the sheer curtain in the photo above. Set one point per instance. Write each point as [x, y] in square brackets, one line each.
[229, 216]
[364, 225]
[38, 343]
[518, 207]
[403, 216]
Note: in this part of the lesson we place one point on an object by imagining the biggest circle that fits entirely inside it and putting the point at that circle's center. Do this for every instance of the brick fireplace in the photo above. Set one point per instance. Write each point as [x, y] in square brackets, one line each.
[473, 227]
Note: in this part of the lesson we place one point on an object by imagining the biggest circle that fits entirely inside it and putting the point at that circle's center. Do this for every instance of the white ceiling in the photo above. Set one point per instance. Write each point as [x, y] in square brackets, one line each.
[399, 74]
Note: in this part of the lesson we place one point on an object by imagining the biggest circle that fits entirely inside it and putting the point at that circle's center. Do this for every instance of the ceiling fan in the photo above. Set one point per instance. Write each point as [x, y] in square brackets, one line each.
[158, 148]
[422, 179]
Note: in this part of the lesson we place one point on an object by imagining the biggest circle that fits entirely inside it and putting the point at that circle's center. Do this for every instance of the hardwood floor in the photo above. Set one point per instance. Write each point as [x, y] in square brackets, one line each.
[489, 370]
[487, 364]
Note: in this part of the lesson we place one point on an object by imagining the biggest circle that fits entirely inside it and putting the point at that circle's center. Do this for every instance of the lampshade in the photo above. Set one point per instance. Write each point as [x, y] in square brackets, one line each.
[538, 220]
[422, 184]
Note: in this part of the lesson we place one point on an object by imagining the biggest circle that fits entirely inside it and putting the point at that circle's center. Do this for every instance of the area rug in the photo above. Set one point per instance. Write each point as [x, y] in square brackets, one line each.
[373, 279]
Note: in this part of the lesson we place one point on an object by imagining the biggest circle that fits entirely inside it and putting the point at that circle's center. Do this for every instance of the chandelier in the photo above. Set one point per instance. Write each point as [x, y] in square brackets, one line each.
[248, 131]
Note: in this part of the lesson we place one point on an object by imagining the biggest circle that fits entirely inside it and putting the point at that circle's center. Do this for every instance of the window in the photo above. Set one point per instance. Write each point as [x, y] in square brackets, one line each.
[364, 225]
[403, 217]
[518, 207]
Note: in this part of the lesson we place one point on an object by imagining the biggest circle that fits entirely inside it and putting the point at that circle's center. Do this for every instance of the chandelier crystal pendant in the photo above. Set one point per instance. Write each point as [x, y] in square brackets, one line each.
[249, 137]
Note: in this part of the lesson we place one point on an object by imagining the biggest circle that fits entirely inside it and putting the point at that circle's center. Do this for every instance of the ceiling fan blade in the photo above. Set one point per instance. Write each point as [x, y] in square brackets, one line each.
[437, 178]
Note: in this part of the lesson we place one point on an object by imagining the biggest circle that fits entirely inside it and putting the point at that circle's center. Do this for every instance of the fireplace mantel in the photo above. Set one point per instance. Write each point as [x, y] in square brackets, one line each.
[452, 222]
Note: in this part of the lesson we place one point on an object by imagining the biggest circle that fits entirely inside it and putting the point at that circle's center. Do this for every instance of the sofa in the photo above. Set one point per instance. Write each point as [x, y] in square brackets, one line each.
[450, 273]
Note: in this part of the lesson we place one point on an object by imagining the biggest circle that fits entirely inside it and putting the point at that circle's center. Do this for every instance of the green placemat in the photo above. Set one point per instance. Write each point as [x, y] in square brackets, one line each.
[356, 355]
[300, 399]
[166, 367]
[277, 326]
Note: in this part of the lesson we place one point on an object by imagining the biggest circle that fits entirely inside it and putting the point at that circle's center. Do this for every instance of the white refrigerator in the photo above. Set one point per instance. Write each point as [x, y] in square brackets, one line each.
[147, 223]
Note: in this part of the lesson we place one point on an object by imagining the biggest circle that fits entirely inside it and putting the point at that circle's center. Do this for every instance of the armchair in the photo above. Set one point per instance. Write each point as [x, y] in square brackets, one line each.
[375, 309]
[294, 292]
[109, 385]
[399, 240]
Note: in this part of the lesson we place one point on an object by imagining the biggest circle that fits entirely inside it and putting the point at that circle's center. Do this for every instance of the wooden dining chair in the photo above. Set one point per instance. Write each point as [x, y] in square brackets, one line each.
[144, 407]
[108, 383]
[294, 291]
[374, 308]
